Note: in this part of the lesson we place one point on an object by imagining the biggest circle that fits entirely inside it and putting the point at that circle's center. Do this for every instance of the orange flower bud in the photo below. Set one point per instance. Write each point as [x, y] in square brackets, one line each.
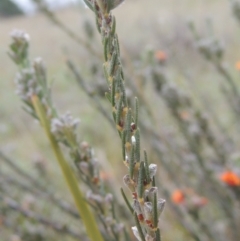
[178, 196]
[230, 178]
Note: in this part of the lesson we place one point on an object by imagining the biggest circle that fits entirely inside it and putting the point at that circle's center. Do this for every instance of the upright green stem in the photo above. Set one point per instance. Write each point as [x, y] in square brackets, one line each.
[83, 209]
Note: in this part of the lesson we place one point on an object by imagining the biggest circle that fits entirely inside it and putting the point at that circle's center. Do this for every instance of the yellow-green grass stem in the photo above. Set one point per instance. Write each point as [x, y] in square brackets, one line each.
[83, 208]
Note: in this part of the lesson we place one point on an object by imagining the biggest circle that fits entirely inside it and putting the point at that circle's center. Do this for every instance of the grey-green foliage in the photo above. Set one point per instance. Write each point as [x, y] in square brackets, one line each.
[9, 9]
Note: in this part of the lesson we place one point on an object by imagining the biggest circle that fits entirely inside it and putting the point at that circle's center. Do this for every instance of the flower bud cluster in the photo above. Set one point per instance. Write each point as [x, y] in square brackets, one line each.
[98, 199]
[64, 129]
[19, 46]
[102, 201]
[31, 79]
[88, 165]
[26, 84]
[147, 208]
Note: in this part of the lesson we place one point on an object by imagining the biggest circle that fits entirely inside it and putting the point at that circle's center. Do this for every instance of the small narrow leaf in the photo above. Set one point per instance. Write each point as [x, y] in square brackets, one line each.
[136, 113]
[147, 173]
[128, 125]
[131, 162]
[140, 187]
[113, 63]
[155, 211]
[126, 201]
[137, 145]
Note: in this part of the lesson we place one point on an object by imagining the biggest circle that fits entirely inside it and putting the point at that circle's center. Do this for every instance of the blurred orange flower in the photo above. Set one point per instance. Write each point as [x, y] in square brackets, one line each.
[178, 196]
[237, 65]
[230, 178]
[161, 56]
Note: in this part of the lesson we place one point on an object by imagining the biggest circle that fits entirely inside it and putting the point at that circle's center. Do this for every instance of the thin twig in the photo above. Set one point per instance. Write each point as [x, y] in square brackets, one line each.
[45, 192]
[59, 228]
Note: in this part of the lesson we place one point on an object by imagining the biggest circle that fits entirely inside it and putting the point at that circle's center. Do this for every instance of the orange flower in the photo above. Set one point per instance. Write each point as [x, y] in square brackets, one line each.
[230, 178]
[178, 196]
[161, 56]
[237, 65]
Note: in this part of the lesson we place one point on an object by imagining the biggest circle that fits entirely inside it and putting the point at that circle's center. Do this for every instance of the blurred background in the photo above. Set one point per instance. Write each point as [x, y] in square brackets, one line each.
[155, 40]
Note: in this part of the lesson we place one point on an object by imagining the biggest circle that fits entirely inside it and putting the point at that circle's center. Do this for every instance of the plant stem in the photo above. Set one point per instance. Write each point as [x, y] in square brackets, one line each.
[83, 209]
